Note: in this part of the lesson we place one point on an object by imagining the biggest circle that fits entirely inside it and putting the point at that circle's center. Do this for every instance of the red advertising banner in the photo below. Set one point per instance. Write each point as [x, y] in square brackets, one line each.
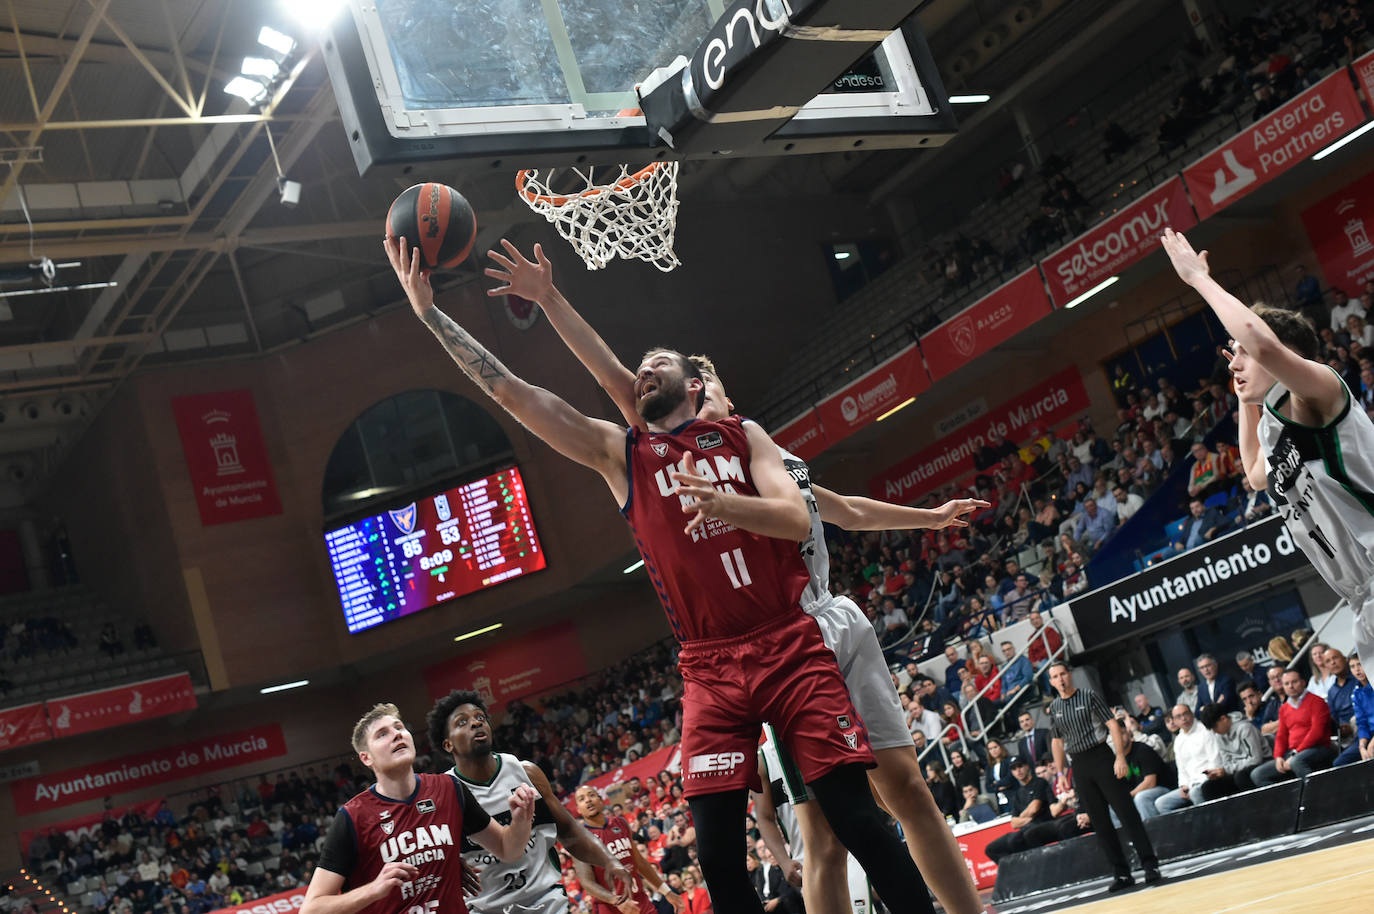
[803, 436]
[974, 846]
[533, 663]
[227, 456]
[86, 826]
[1046, 405]
[281, 903]
[669, 758]
[1340, 228]
[23, 725]
[1115, 244]
[988, 322]
[1274, 144]
[890, 384]
[1364, 75]
[121, 705]
[145, 769]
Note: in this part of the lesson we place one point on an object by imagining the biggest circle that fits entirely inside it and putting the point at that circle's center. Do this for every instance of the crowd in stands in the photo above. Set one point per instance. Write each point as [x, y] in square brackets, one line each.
[225, 851]
[1347, 332]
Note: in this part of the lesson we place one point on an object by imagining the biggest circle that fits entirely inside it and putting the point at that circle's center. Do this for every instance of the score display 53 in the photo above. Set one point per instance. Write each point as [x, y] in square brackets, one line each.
[434, 549]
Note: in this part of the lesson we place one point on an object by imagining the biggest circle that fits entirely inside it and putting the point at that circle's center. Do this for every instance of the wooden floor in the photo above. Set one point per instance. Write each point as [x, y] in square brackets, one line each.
[1331, 880]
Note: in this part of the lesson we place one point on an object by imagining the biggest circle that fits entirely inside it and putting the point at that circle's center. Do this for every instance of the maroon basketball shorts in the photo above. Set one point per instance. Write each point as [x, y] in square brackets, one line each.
[781, 674]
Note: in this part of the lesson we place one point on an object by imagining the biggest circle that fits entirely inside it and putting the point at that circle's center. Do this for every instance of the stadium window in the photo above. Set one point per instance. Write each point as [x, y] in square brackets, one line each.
[407, 442]
[854, 264]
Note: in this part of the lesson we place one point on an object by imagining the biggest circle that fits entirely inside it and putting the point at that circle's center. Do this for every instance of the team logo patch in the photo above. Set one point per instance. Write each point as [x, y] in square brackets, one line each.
[404, 518]
[388, 827]
[425, 806]
[843, 721]
[660, 449]
[964, 336]
[852, 738]
[709, 440]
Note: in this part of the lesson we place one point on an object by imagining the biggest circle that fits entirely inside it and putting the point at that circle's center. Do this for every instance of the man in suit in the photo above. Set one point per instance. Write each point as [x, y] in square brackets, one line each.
[777, 894]
[1201, 526]
[1213, 686]
[1032, 742]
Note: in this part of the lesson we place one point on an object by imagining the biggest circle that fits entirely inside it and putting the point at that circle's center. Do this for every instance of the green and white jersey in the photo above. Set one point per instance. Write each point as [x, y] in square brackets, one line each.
[1322, 482]
[783, 781]
[813, 550]
[532, 882]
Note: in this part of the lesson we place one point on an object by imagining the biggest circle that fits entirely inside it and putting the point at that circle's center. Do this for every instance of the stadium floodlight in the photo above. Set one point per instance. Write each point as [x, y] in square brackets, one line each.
[1110, 280]
[261, 67]
[1348, 138]
[976, 99]
[841, 255]
[284, 686]
[479, 631]
[633, 568]
[280, 42]
[250, 90]
[313, 13]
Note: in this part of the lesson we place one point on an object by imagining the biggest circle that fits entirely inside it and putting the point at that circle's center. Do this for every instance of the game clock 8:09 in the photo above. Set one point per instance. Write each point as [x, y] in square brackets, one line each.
[433, 549]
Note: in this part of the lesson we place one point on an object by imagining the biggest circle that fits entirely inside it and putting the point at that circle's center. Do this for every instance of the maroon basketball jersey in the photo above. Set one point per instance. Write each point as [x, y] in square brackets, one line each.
[619, 841]
[425, 831]
[718, 581]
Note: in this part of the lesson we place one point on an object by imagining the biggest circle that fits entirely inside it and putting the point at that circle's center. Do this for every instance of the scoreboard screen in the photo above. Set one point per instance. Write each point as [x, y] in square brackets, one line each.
[434, 549]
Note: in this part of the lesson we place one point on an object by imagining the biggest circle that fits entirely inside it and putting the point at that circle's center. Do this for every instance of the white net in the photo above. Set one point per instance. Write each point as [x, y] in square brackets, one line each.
[632, 215]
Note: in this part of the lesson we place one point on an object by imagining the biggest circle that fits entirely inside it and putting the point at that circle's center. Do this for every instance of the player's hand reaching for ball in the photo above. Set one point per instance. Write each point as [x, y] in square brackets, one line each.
[388, 883]
[954, 513]
[1189, 264]
[706, 500]
[406, 262]
[531, 280]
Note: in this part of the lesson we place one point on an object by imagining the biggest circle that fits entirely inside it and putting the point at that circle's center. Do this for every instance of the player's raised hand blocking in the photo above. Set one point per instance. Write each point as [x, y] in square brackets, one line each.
[1189, 264]
[406, 262]
[531, 280]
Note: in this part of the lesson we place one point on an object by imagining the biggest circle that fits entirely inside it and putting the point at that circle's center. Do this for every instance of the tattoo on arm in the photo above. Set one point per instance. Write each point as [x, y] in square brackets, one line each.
[472, 357]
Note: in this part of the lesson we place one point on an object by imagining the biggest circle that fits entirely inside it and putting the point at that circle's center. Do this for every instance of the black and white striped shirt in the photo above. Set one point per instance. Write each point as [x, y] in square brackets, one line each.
[1080, 720]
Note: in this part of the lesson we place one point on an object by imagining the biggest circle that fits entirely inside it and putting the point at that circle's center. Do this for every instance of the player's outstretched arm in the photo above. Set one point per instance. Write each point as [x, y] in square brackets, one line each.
[591, 442]
[508, 842]
[1251, 456]
[777, 511]
[1306, 380]
[325, 894]
[616, 899]
[855, 512]
[573, 835]
[654, 879]
[766, 816]
[533, 280]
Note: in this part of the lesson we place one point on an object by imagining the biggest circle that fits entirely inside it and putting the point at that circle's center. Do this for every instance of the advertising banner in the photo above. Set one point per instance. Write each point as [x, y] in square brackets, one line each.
[1053, 401]
[669, 758]
[1111, 246]
[987, 323]
[974, 846]
[1364, 75]
[125, 704]
[280, 903]
[227, 456]
[861, 403]
[1274, 144]
[1170, 589]
[537, 662]
[803, 436]
[145, 769]
[1341, 229]
[23, 725]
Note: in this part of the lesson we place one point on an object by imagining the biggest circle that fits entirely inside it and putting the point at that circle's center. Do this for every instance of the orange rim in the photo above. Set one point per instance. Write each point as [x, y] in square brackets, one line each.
[561, 200]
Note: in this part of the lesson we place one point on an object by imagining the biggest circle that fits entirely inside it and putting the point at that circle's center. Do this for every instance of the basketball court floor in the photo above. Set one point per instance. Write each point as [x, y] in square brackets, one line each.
[1327, 869]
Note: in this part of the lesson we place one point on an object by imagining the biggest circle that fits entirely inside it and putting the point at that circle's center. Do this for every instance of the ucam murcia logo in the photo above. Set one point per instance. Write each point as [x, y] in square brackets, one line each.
[963, 336]
[404, 518]
[388, 827]
[852, 739]
[660, 449]
[423, 845]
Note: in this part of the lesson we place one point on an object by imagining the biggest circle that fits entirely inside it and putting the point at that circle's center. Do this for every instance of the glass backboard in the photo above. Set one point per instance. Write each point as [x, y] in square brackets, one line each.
[553, 82]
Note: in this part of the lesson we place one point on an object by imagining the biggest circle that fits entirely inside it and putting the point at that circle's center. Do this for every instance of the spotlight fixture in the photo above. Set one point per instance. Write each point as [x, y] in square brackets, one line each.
[250, 90]
[276, 41]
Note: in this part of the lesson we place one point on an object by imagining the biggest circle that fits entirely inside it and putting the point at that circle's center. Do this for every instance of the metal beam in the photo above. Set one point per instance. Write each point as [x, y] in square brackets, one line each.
[46, 46]
[182, 103]
[76, 248]
[76, 345]
[190, 120]
[86, 225]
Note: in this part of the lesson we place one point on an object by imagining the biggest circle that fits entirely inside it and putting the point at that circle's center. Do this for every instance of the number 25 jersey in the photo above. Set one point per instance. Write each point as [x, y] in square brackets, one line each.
[718, 581]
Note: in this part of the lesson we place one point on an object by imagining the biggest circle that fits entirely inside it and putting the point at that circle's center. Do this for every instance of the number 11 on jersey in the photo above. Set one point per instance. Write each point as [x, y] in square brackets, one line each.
[735, 568]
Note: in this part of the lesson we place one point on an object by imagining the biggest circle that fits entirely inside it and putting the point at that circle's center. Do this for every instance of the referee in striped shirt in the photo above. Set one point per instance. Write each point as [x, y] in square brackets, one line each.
[1080, 720]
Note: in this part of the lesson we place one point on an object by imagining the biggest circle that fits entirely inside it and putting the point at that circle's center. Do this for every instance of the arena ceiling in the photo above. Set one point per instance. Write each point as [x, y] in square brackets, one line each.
[127, 163]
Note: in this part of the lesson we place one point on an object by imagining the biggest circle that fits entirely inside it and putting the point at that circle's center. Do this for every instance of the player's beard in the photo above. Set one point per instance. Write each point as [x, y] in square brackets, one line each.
[669, 396]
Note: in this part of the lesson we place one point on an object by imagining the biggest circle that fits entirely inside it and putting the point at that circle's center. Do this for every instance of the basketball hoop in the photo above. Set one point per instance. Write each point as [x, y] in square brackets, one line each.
[633, 215]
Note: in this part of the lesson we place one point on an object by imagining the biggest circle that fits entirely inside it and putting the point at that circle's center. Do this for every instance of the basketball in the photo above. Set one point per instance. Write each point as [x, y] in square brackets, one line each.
[436, 219]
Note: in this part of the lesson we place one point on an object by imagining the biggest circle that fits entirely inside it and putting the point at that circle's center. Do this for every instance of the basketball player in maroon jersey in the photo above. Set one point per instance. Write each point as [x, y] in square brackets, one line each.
[897, 779]
[730, 581]
[396, 847]
[616, 834]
